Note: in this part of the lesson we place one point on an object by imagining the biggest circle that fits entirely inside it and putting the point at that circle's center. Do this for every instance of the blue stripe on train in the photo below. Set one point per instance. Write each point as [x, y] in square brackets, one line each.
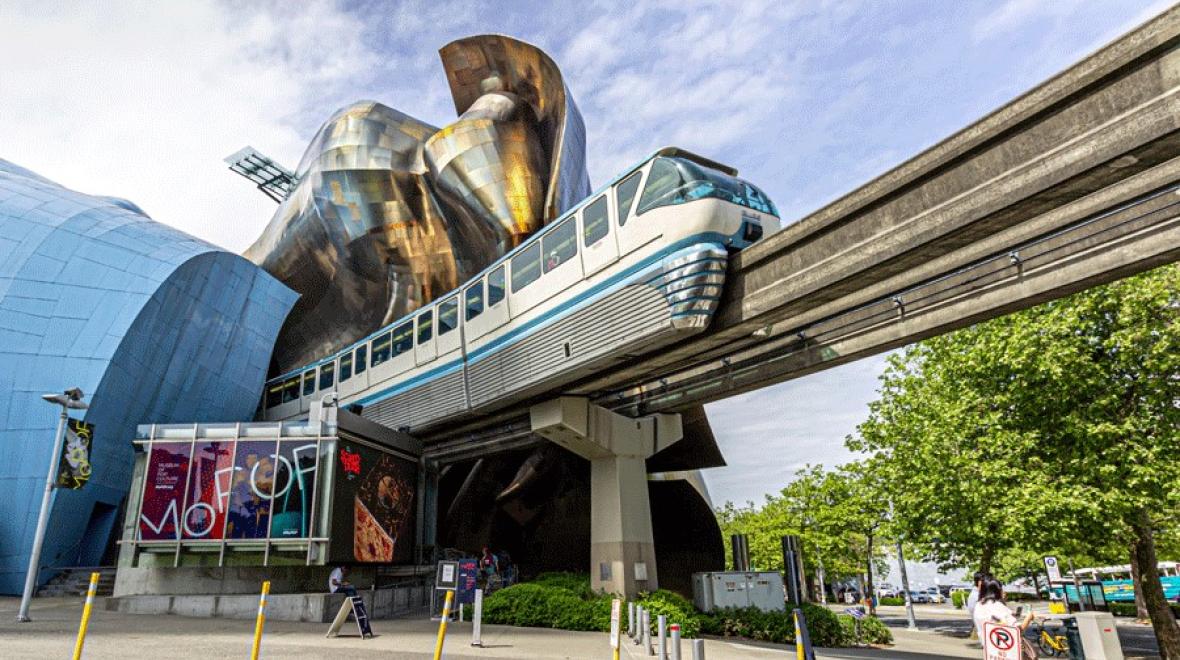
[607, 287]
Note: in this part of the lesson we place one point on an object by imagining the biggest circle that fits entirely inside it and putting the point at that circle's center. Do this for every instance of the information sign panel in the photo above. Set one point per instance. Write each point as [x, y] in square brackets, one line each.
[1053, 569]
[468, 580]
[447, 575]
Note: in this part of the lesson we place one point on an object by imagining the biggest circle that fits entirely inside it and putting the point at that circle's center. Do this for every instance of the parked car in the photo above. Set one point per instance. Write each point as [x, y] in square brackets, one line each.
[933, 595]
[917, 597]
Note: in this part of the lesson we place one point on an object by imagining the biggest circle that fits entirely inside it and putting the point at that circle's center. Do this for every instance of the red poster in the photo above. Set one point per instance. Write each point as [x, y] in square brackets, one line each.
[208, 490]
[163, 494]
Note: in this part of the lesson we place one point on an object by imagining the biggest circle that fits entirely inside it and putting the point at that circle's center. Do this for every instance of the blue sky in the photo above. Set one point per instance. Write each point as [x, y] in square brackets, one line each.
[808, 99]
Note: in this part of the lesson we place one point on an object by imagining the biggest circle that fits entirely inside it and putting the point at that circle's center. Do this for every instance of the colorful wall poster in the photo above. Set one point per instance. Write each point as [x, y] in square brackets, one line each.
[373, 513]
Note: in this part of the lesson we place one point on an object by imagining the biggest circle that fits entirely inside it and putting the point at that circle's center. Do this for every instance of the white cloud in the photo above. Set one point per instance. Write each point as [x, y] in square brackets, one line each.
[143, 100]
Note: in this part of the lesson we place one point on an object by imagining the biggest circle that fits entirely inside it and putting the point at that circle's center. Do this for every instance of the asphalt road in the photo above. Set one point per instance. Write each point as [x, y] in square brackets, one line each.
[1138, 640]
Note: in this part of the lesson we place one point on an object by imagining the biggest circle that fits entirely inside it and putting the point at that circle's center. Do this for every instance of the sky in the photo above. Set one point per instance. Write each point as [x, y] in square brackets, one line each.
[808, 99]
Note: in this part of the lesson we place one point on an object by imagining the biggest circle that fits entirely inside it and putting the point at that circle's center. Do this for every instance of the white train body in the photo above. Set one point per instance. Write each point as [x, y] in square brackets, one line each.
[587, 291]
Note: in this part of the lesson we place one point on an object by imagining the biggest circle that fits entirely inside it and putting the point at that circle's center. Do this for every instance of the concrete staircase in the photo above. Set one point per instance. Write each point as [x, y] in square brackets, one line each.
[75, 581]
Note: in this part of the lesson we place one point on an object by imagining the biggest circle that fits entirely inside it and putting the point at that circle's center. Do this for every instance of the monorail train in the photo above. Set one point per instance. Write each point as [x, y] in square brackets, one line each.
[634, 267]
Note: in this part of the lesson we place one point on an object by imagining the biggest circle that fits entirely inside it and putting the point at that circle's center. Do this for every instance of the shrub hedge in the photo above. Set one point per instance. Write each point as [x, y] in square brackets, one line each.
[959, 599]
[1128, 609]
[565, 601]
[889, 600]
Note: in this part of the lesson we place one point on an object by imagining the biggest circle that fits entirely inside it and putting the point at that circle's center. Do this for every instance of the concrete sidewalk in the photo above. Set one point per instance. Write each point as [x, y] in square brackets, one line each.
[120, 635]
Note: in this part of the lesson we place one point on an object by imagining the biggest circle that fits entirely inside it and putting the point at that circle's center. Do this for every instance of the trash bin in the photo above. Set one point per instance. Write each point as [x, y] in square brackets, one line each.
[1074, 638]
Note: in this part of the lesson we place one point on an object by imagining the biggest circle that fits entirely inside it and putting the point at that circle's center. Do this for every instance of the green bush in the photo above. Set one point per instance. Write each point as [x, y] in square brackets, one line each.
[887, 600]
[543, 606]
[565, 601]
[824, 626]
[872, 631]
[1128, 609]
[677, 608]
[959, 599]
[579, 584]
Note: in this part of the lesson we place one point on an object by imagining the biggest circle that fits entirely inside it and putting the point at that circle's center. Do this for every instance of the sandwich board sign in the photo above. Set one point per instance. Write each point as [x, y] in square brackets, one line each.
[354, 605]
[1001, 642]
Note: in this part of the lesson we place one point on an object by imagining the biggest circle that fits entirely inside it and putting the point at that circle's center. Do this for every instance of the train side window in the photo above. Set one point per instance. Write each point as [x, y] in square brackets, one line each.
[526, 267]
[625, 195]
[309, 382]
[362, 361]
[327, 375]
[495, 286]
[560, 244]
[425, 326]
[291, 389]
[403, 338]
[274, 395]
[346, 366]
[473, 300]
[595, 223]
[380, 349]
[448, 315]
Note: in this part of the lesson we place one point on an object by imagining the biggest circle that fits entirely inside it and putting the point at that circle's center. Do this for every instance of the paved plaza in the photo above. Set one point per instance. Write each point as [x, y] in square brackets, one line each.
[52, 632]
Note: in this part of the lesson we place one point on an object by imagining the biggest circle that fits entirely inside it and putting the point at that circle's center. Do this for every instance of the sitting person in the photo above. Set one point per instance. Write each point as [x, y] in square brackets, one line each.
[338, 582]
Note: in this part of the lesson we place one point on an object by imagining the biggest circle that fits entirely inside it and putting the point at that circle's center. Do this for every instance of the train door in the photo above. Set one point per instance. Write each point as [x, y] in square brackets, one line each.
[599, 242]
[475, 321]
[307, 391]
[425, 348]
[347, 380]
[633, 232]
[448, 339]
[497, 301]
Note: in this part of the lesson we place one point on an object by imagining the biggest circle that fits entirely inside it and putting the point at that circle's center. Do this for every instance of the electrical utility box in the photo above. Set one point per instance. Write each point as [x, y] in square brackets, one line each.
[733, 589]
[1100, 638]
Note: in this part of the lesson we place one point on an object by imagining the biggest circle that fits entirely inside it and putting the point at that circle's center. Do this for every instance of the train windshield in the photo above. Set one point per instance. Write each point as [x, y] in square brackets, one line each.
[676, 181]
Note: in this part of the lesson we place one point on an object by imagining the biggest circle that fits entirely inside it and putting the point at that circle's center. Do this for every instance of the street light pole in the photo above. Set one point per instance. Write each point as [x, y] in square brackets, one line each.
[70, 399]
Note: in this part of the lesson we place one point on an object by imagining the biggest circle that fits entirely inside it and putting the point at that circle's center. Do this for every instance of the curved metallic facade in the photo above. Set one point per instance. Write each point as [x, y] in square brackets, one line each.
[389, 212]
[152, 324]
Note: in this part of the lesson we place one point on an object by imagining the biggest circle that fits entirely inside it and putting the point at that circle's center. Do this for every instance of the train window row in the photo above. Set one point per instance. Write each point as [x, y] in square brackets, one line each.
[558, 246]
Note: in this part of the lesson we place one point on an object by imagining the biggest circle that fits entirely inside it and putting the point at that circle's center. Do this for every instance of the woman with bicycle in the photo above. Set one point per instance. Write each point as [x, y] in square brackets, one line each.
[992, 608]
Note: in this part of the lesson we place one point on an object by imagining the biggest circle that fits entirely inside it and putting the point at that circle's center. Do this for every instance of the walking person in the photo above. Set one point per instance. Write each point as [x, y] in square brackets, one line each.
[973, 598]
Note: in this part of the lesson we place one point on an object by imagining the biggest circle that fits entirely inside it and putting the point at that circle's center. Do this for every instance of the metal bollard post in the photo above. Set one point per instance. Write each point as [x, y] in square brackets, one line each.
[90, 591]
[631, 620]
[477, 619]
[647, 633]
[698, 649]
[638, 625]
[261, 620]
[662, 631]
[674, 629]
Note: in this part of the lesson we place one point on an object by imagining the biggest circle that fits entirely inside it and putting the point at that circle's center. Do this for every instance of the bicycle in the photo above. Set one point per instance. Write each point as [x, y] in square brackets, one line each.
[1048, 644]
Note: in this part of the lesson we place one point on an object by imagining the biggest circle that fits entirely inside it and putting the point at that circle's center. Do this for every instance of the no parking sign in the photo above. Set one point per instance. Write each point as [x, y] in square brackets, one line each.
[1001, 642]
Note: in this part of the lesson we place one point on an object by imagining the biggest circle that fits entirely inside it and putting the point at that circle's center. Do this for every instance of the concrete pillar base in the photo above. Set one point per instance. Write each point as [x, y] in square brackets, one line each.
[622, 549]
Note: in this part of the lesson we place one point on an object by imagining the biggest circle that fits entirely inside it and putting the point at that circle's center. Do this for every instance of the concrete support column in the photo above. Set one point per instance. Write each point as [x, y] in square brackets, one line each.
[622, 549]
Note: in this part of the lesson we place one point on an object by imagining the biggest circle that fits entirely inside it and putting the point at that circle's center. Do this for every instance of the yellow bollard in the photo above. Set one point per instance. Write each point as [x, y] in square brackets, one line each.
[442, 626]
[261, 620]
[798, 637]
[93, 589]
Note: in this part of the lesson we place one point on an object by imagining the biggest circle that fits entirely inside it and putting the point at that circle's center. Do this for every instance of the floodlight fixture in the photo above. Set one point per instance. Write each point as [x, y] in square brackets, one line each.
[273, 179]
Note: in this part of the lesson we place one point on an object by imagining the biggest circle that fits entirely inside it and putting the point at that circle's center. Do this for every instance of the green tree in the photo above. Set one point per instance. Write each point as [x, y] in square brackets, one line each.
[1055, 428]
[836, 514]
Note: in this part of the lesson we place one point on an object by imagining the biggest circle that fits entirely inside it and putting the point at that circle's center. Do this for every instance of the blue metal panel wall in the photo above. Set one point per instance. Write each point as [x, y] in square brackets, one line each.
[154, 325]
